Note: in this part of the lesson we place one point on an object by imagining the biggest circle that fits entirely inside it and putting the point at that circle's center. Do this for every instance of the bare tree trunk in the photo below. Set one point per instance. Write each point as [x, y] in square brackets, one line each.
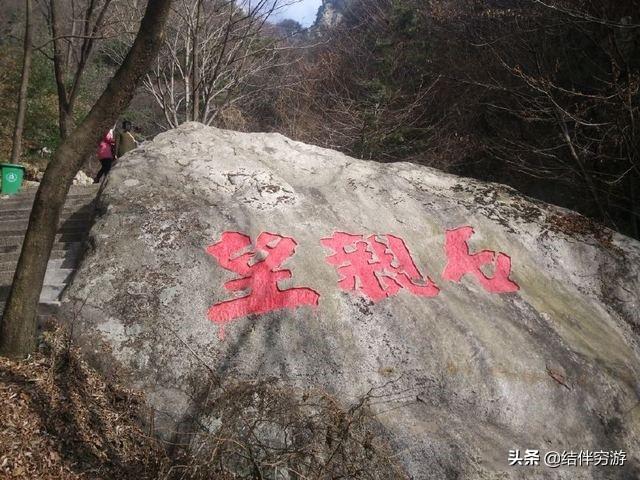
[92, 22]
[195, 66]
[19, 323]
[73, 34]
[187, 78]
[59, 69]
[65, 121]
[635, 210]
[16, 149]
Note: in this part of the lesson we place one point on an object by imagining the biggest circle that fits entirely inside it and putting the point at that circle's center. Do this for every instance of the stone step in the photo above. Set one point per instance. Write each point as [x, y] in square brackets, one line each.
[57, 247]
[67, 224]
[56, 254]
[26, 204]
[45, 309]
[68, 261]
[30, 193]
[52, 276]
[15, 223]
[49, 293]
[19, 227]
[29, 197]
[16, 240]
[73, 191]
[75, 221]
[16, 230]
[67, 211]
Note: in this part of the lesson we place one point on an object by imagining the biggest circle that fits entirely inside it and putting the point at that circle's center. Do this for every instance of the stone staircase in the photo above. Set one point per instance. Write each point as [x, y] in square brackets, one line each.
[75, 222]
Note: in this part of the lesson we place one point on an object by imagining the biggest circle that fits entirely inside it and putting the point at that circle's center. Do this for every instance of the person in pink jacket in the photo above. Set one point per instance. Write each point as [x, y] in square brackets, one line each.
[105, 154]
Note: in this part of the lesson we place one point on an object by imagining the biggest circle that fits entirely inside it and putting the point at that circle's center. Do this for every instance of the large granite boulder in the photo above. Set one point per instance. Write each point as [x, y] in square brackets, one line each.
[479, 321]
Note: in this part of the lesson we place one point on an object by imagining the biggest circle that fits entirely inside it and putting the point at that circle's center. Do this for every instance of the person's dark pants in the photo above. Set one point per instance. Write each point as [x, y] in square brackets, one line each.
[106, 166]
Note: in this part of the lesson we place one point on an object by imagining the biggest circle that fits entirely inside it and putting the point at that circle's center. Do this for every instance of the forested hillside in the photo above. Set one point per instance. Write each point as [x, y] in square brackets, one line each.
[540, 95]
[220, 60]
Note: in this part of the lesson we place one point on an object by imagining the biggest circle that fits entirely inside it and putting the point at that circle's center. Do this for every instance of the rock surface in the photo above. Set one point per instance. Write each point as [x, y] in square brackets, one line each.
[82, 178]
[545, 357]
[330, 13]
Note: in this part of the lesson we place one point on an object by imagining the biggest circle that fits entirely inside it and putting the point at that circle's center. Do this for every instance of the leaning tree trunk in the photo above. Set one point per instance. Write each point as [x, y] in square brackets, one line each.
[16, 149]
[65, 121]
[19, 323]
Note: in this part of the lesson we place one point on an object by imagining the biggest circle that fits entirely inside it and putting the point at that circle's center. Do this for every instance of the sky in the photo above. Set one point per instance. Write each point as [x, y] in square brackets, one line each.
[303, 12]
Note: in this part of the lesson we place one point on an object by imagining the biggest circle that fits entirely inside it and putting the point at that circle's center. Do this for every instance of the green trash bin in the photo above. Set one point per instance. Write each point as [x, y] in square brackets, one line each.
[12, 176]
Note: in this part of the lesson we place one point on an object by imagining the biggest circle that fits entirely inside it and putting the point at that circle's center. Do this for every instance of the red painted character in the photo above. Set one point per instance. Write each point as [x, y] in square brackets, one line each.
[376, 269]
[260, 271]
[460, 262]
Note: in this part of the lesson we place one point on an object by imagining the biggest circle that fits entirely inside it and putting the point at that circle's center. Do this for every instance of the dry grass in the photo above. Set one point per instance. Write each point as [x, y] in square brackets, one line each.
[264, 430]
[59, 419]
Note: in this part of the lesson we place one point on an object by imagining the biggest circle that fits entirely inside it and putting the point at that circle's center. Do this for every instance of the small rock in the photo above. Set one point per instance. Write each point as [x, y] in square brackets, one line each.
[82, 178]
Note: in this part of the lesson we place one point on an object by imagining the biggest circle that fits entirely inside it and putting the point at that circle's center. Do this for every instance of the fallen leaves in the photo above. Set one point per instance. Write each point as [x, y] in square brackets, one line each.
[69, 423]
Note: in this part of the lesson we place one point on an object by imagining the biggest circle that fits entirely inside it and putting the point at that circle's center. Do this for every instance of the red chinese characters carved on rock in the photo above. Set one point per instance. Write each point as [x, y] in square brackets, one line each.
[261, 277]
[461, 262]
[379, 269]
[376, 267]
[367, 266]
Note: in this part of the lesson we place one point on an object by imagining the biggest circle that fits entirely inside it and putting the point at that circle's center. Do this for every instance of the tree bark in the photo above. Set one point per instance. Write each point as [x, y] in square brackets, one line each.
[195, 66]
[65, 120]
[16, 149]
[60, 71]
[19, 323]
